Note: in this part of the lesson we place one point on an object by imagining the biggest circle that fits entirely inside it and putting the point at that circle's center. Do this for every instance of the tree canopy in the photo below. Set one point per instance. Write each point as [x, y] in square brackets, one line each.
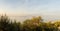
[33, 24]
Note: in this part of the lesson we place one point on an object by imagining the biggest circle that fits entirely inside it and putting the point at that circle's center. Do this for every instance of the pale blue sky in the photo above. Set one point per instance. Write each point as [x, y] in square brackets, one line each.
[26, 7]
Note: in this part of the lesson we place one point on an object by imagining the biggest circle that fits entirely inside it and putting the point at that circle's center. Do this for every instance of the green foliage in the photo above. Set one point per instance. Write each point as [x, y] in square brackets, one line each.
[34, 24]
[5, 25]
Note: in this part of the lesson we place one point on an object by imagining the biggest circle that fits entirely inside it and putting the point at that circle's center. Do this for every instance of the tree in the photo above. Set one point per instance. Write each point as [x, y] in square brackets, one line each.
[6, 25]
[32, 24]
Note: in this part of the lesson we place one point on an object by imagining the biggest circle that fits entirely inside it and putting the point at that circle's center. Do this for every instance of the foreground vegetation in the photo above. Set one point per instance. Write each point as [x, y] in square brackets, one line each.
[33, 24]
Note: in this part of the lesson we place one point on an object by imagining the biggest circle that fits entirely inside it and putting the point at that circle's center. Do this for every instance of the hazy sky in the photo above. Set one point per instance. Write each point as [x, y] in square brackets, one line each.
[26, 7]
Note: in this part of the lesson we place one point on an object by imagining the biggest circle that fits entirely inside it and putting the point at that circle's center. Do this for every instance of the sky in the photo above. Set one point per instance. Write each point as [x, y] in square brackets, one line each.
[30, 7]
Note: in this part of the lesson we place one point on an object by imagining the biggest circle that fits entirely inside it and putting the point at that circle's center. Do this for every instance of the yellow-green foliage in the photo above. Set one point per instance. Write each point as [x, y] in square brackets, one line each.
[33, 24]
